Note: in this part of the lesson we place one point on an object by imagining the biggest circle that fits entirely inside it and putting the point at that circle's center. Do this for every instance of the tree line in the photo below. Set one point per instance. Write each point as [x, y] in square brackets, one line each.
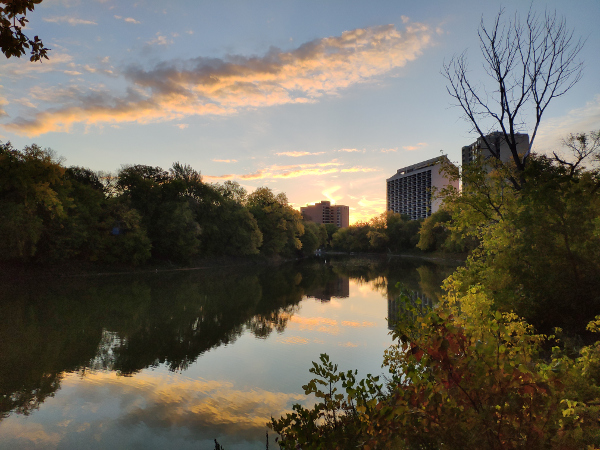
[50, 213]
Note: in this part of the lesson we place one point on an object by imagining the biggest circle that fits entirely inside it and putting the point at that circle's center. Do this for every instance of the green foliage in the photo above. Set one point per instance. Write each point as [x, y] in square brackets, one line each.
[280, 224]
[315, 236]
[13, 41]
[32, 197]
[539, 253]
[436, 234]
[336, 420]
[388, 232]
[460, 377]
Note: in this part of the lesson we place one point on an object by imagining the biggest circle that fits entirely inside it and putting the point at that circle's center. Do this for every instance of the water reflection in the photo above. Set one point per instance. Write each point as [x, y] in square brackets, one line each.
[109, 329]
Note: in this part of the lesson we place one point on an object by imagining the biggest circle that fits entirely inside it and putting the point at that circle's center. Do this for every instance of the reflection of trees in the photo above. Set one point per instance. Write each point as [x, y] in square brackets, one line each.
[263, 325]
[126, 324]
[39, 341]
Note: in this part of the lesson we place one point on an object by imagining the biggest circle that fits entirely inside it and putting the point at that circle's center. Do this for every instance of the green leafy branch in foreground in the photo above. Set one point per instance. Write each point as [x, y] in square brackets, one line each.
[461, 376]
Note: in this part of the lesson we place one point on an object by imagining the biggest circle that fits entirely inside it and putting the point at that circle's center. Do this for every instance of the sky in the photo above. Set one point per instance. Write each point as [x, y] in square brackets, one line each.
[322, 100]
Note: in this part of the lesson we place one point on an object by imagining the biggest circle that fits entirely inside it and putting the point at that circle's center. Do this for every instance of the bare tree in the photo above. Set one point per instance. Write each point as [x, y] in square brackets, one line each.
[582, 148]
[527, 65]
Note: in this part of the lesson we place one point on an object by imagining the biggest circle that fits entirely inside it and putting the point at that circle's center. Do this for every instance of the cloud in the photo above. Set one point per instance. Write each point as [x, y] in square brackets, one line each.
[297, 154]
[3, 102]
[389, 150]
[218, 86]
[287, 171]
[160, 40]
[69, 20]
[578, 120]
[128, 19]
[293, 171]
[182, 126]
[360, 169]
[225, 160]
[22, 68]
[412, 148]
[348, 150]
[328, 193]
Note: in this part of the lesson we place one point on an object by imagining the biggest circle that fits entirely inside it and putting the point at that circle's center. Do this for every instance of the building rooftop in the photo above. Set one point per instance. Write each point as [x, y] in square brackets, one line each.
[421, 165]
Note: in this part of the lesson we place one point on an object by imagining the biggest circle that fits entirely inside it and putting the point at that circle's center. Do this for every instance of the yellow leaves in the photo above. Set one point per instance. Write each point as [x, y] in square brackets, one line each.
[594, 325]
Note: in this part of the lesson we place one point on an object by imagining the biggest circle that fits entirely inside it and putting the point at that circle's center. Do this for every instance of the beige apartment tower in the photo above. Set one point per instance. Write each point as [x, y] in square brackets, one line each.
[409, 190]
[498, 143]
[324, 212]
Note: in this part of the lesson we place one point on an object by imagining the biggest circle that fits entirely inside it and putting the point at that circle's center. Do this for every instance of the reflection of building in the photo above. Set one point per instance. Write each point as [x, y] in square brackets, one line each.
[338, 288]
[409, 190]
[396, 306]
[498, 143]
[325, 213]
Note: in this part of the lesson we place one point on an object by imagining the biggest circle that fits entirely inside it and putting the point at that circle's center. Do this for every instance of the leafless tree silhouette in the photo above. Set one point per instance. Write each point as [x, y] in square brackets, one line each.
[528, 64]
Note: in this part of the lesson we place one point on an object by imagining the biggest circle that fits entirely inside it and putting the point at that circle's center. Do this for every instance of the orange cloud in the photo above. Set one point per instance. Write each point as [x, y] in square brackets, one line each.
[412, 148]
[225, 160]
[360, 169]
[175, 405]
[211, 86]
[358, 324]
[328, 193]
[295, 340]
[287, 171]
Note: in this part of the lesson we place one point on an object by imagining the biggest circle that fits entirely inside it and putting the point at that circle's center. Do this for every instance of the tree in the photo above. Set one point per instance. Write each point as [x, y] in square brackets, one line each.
[280, 224]
[538, 248]
[529, 65]
[13, 42]
[32, 197]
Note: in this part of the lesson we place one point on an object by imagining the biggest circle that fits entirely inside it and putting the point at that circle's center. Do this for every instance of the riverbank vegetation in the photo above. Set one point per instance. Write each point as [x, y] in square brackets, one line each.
[51, 213]
[510, 357]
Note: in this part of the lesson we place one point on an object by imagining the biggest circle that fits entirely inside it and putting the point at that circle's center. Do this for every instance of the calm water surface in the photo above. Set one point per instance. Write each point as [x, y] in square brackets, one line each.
[174, 360]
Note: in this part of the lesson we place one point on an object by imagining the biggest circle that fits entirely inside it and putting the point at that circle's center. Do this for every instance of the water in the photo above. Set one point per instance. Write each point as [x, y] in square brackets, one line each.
[174, 360]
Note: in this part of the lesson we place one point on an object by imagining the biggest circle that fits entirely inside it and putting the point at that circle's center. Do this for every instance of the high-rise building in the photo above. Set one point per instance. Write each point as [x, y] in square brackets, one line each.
[498, 143]
[324, 212]
[409, 190]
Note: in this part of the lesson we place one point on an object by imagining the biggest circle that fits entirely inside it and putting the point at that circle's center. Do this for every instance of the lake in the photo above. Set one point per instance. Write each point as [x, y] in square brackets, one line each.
[177, 359]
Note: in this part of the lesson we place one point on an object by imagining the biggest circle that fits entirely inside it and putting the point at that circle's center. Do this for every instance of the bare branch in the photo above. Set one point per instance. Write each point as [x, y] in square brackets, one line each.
[528, 64]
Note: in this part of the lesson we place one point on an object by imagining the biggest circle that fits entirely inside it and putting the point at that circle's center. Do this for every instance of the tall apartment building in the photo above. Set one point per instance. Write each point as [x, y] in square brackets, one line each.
[324, 212]
[409, 190]
[497, 141]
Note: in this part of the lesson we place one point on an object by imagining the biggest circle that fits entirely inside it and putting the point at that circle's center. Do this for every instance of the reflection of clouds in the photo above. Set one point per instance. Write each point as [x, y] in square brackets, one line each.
[320, 324]
[325, 325]
[358, 324]
[103, 405]
[29, 435]
[293, 340]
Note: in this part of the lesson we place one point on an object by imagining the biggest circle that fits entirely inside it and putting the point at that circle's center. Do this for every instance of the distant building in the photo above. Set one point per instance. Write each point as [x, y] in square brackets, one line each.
[409, 190]
[337, 288]
[325, 213]
[498, 143]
